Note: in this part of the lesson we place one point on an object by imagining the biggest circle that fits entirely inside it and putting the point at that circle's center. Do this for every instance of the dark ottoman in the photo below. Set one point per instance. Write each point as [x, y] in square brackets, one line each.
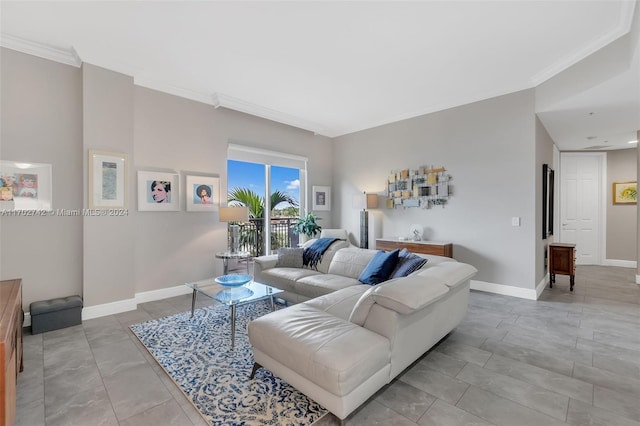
[53, 314]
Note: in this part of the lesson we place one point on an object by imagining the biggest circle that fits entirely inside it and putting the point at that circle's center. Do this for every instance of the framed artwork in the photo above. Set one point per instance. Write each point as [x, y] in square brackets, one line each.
[25, 186]
[158, 191]
[625, 192]
[548, 177]
[202, 193]
[321, 198]
[108, 180]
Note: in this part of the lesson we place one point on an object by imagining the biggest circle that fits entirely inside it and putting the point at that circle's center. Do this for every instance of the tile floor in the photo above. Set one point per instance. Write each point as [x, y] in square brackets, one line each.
[568, 358]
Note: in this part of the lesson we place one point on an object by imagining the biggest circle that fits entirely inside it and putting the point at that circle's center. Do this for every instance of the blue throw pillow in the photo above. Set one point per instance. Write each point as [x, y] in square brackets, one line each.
[407, 263]
[379, 267]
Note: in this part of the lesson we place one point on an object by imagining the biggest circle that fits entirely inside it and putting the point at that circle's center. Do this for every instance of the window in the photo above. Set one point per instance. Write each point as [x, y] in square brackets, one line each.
[271, 185]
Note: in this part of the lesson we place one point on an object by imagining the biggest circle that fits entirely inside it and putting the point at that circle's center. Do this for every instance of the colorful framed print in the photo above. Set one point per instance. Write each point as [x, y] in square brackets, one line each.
[321, 198]
[25, 186]
[158, 191]
[202, 193]
[625, 192]
[108, 180]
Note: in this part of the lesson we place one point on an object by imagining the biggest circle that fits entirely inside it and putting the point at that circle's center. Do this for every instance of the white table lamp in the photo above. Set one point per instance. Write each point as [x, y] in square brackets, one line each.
[232, 215]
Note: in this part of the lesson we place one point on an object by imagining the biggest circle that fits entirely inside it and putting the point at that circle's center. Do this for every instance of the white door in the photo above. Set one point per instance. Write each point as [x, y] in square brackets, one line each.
[581, 201]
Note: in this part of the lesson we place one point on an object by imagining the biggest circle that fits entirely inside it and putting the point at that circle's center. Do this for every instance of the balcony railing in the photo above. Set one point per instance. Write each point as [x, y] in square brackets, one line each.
[252, 235]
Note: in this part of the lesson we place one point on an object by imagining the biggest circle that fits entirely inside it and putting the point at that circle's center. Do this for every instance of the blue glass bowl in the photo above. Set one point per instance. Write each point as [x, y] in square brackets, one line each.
[233, 280]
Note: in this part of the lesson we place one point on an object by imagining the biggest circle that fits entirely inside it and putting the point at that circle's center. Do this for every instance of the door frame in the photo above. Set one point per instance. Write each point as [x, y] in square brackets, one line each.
[602, 223]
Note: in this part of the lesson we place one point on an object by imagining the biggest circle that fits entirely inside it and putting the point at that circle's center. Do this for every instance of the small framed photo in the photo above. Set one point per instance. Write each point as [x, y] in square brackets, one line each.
[25, 186]
[108, 180]
[202, 193]
[321, 198]
[625, 192]
[158, 191]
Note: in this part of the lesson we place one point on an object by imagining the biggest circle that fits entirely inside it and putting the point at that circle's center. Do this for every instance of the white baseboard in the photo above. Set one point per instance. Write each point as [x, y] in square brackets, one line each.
[505, 290]
[163, 293]
[620, 263]
[96, 311]
[542, 285]
[132, 304]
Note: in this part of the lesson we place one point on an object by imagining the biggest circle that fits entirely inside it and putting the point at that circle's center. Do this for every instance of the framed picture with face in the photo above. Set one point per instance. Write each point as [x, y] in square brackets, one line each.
[25, 186]
[158, 191]
[202, 193]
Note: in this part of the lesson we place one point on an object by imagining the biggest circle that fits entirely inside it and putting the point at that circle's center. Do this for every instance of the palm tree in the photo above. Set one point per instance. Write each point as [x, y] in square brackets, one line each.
[256, 206]
[255, 203]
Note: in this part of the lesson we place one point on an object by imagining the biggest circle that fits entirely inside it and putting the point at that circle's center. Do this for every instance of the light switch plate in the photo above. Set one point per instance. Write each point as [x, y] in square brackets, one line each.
[515, 221]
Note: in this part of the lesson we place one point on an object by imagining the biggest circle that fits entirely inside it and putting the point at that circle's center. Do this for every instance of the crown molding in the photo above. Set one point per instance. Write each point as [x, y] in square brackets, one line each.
[65, 56]
[201, 97]
[226, 101]
[221, 100]
[462, 101]
[624, 26]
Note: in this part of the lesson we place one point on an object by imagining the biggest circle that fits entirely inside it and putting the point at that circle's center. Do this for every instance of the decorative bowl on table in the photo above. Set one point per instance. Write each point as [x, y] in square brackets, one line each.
[233, 280]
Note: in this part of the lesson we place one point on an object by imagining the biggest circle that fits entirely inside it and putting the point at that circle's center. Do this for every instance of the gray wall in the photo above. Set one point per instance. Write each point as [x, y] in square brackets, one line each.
[41, 122]
[488, 148]
[54, 113]
[107, 250]
[621, 219]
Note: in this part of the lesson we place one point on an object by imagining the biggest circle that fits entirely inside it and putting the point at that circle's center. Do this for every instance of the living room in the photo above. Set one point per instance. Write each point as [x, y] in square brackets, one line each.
[489, 147]
[54, 112]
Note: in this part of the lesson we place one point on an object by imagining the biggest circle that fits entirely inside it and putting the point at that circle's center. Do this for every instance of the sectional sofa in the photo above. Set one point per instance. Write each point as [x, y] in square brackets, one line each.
[342, 346]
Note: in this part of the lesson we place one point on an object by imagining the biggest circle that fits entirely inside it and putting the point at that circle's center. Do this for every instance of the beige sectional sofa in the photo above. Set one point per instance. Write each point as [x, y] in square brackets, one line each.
[341, 347]
[301, 284]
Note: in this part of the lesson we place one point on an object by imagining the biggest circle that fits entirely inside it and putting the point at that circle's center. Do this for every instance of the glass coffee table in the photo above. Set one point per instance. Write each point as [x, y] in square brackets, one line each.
[232, 296]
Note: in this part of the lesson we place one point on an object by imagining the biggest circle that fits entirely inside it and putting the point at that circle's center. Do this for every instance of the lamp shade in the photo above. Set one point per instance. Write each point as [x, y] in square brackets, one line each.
[365, 201]
[234, 214]
[372, 201]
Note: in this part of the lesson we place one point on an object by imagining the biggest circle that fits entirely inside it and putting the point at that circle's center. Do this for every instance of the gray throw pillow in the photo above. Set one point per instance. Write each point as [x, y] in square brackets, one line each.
[290, 257]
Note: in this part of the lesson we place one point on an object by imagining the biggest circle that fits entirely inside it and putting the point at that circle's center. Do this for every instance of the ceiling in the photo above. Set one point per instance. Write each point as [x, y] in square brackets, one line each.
[339, 67]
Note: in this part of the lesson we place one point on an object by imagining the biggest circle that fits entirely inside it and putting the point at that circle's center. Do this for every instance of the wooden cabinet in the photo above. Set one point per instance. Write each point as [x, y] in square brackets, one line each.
[423, 247]
[10, 347]
[562, 260]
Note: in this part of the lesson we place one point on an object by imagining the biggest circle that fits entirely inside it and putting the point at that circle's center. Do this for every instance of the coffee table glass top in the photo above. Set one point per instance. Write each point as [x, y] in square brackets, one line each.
[253, 291]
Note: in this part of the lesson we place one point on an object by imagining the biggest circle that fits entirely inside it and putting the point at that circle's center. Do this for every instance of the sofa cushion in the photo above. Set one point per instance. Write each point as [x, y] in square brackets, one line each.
[289, 257]
[321, 284]
[340, 303]
[379, 267]
[409, 294]
[320, 347]
[350, 261]
[407, 263]
[335, 233]
[327, 257]
[285, 278]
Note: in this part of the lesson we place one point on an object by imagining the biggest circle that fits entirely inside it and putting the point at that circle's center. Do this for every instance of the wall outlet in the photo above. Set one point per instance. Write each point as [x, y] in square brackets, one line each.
[515, 221]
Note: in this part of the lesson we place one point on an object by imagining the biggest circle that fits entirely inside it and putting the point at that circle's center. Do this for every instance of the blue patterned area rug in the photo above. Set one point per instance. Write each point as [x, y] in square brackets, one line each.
[196, 353]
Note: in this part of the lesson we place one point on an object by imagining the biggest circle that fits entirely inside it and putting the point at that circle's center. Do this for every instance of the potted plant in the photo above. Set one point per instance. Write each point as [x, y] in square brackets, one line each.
[307, 225]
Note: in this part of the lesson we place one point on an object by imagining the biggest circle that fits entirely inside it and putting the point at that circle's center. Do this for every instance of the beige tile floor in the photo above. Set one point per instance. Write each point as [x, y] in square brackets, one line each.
[568, 358]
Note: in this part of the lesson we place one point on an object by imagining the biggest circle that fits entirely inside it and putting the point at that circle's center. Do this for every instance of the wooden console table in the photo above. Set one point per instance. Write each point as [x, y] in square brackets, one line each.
[10, 347]
[423, 247]
[562, 260]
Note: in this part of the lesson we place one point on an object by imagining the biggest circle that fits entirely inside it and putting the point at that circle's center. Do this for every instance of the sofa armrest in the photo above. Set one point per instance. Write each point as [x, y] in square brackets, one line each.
[409, 294]
[264, 262]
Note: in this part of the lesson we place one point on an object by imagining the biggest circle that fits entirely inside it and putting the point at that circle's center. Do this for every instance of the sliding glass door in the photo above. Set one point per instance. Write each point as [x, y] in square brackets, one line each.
[272, 195]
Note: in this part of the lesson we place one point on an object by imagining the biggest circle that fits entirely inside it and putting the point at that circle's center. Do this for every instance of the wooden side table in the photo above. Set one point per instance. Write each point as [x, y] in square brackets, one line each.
[562, 260]
[439, 248]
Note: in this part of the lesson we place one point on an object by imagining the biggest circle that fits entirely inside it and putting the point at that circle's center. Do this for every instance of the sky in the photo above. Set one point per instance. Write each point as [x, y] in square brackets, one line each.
[251, 175]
